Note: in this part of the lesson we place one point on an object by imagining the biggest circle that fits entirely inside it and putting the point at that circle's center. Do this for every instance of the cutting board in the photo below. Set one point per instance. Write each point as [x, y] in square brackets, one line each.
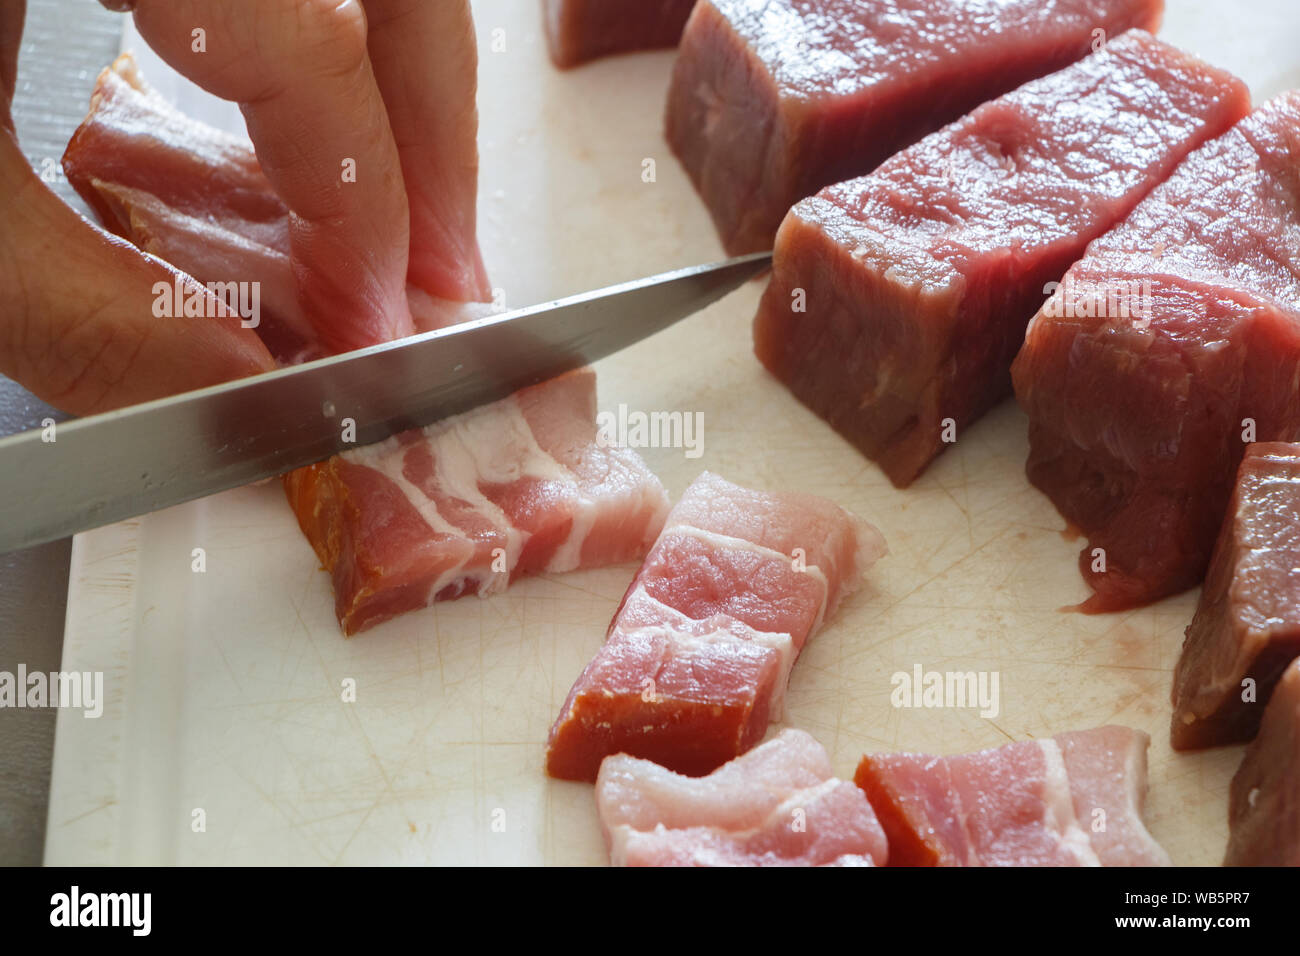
[227, 738]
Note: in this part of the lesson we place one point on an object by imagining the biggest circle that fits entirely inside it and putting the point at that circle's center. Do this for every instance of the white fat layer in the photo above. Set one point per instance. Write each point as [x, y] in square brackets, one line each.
[783, 644]
[493, 445]
[781, 815]
[727, 541]
[1135, 777]
[1058, 809]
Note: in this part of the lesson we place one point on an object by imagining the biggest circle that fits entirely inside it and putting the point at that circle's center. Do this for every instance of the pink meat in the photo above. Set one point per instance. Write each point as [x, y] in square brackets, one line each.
[1137, 424]
[196, 197]
[1264, 800]
[697, 659]
[1247, 624]
[581, 30]
[1072, 800]
[777, 805]
[772, 101]
[463, 507]
[471, 503]
[899, 300]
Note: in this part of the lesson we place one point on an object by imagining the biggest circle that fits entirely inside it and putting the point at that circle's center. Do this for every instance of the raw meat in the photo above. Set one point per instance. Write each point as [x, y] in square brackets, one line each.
[697, 658]
[770, 101]
[196, 197]
[1070, 800]
[581, 30]
[190, 194]
[1264, 801]
[1247, 625]
[470, 503]
[777, 805]
[899, 300]
[463, 507]
[1136, 425]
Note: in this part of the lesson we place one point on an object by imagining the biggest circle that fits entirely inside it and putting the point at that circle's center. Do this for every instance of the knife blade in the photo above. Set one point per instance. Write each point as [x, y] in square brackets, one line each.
[100, 469]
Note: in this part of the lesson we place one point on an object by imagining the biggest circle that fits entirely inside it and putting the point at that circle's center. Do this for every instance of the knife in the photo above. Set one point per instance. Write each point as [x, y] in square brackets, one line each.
[103, 468]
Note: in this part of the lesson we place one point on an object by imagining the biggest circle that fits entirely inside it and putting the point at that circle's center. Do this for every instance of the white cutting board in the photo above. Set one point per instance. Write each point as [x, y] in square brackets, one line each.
[224, 688]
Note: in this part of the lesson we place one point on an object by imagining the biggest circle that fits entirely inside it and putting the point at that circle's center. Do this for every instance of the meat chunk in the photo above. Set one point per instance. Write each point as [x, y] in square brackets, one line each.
[771, 101]
[196, 197]
[697, 658]
[469, 504]
[777, 805]
[1247, 625]
[1137, 423]
[1070, 800]
[899, 300]
[1264, 800]
[581, 30]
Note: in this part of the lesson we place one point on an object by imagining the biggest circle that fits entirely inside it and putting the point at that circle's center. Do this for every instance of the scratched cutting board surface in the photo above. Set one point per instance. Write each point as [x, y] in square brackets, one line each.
[224, 688]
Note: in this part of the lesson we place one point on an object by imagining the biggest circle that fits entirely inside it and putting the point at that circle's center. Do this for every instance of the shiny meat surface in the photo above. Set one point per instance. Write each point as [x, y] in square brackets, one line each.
[1071, 800]
[773, 99]
[1247, 625]
[697, 658]
[1137, 425]
[899, 300]
[470, 504]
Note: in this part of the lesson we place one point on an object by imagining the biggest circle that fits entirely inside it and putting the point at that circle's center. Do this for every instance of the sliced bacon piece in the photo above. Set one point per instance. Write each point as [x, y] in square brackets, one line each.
[777, 805]
[697, 659]
[1136, 427]
[578, 31]
[1071, 800]
[771, 101]
[899, 300]
[1264, 800]
[1247, 624]
[470, 503]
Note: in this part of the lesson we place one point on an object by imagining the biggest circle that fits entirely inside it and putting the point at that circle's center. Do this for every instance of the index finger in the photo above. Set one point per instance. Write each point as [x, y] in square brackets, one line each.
[300, 71]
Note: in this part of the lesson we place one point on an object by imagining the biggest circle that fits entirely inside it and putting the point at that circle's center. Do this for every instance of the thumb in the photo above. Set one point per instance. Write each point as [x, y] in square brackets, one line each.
[80, 328]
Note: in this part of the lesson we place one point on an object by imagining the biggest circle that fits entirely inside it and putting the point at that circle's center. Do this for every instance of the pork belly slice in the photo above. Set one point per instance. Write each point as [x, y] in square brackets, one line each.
[1137, 425]
[469, 504]
[697, 658]
[1264, 800]
[899, 300]
[777, 805]
[1070, 800]
[1247, 625]
[769, 102]
[196, 197]
[578, 31]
